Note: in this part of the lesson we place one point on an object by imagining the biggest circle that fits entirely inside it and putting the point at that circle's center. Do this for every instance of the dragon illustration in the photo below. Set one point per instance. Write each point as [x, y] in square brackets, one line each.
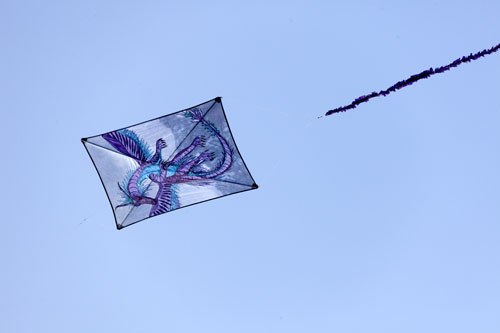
[184, 167]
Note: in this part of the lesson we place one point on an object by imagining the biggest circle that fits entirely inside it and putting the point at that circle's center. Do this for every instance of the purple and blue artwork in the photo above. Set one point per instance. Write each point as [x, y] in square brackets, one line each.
[194, 159]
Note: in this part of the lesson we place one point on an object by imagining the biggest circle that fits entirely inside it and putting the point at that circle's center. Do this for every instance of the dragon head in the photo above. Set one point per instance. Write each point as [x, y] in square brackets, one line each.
[134, 200]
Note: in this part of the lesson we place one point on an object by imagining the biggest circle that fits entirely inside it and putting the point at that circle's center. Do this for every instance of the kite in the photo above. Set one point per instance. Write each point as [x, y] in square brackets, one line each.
[414, 78]
[170, 162]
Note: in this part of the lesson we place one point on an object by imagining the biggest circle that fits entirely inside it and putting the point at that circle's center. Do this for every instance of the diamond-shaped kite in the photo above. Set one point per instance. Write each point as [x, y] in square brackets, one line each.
[170, 162]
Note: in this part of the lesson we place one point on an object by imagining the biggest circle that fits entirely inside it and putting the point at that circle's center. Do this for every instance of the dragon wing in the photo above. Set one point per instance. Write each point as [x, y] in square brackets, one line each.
[166, 200]
[128, 143]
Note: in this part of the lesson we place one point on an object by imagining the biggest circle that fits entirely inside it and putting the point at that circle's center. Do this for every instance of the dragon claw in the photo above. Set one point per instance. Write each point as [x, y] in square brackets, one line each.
[160, 144]
[197, 141]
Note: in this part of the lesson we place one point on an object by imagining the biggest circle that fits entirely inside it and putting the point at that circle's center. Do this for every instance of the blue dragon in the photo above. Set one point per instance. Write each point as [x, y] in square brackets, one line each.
[182, 168]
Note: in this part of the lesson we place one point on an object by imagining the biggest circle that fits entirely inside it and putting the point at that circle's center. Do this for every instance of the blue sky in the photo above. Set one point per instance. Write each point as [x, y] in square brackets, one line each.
[382, 219]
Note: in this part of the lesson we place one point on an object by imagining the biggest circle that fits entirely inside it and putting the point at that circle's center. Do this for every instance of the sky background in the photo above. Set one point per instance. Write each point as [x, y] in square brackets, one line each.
[381, 219]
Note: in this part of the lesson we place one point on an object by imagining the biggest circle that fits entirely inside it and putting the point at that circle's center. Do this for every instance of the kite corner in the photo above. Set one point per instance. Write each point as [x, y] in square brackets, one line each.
[255, 186]
[84, 140]
[218, 99]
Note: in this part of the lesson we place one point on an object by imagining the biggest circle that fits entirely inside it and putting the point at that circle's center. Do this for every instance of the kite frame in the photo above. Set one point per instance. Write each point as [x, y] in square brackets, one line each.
[216, 100]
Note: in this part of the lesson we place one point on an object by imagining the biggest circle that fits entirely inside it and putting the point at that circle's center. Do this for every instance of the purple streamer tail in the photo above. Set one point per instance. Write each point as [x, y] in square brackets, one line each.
[414, 78]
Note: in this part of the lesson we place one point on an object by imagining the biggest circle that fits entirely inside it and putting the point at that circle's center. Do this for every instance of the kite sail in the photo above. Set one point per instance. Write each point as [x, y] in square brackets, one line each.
[170, 162]
[414, 78]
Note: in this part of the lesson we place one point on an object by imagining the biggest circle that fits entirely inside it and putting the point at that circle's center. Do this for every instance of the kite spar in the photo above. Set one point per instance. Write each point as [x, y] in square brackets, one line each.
[414, 78]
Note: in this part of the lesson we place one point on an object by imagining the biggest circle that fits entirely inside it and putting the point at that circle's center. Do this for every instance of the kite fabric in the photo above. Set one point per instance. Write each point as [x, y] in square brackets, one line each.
[170, 162]
[414, 78]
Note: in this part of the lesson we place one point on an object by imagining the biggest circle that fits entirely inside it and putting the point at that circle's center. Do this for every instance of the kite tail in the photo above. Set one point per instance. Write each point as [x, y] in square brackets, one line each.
[414, 78]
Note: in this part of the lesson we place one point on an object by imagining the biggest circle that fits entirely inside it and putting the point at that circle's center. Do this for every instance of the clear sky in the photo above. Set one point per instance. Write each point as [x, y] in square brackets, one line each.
[382, 219]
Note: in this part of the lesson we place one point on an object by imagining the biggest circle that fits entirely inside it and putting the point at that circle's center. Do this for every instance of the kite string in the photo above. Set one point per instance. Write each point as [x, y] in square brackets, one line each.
[414, 78]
